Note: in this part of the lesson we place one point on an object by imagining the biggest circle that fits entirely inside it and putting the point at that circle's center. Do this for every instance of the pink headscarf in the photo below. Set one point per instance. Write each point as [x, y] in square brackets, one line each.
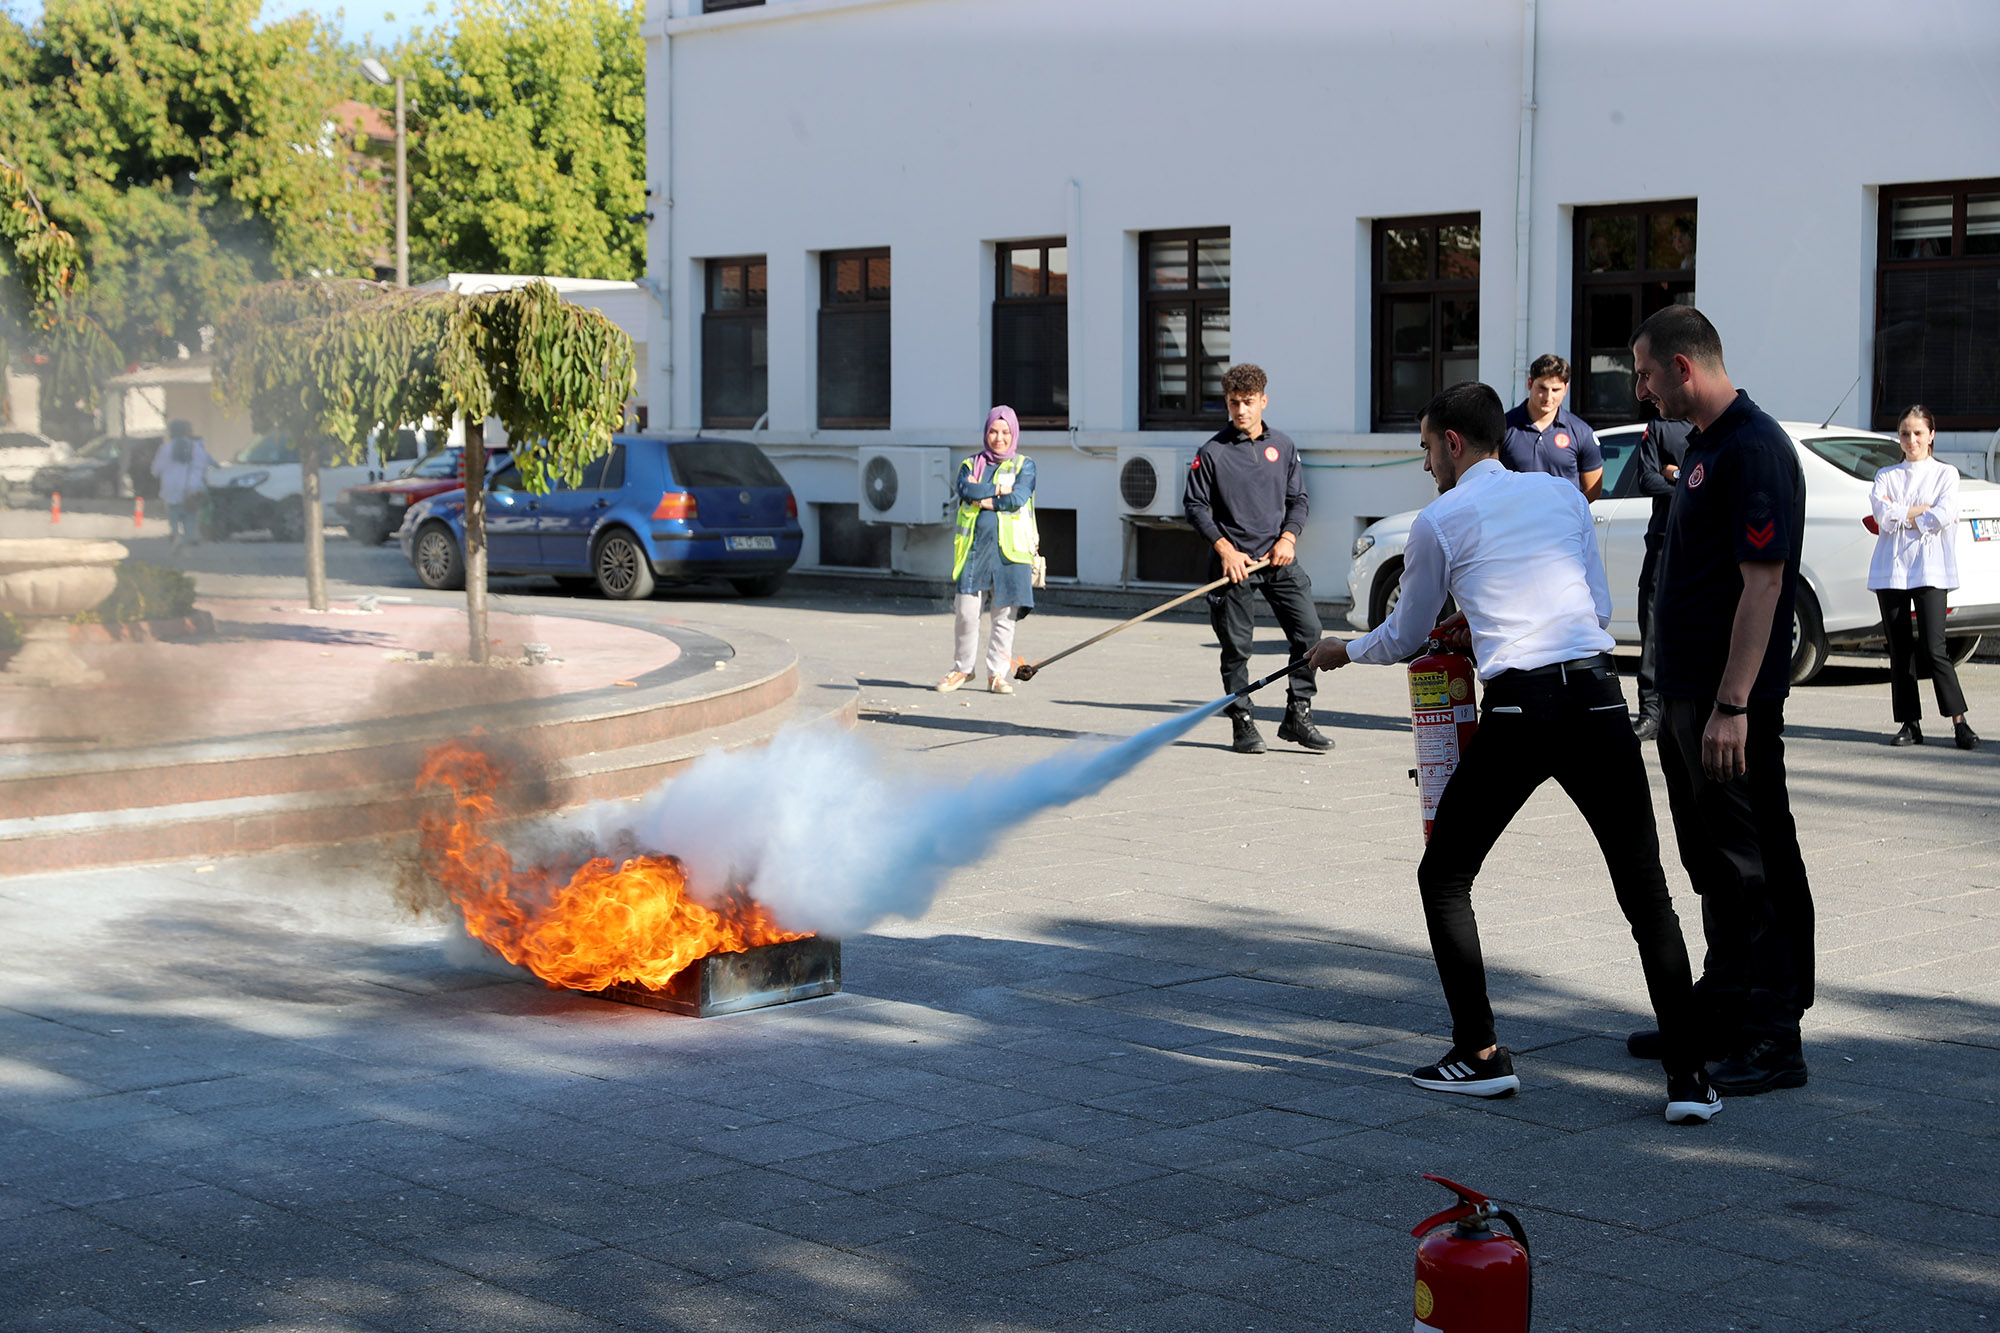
[986, 457]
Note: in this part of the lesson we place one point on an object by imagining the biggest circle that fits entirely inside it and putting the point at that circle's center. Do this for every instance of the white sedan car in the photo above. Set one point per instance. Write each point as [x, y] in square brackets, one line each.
[1835, 608]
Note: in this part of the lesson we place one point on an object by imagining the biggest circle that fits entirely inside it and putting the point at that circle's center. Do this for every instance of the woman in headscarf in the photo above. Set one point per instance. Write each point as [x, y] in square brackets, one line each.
[1916, 512]
[993, 551]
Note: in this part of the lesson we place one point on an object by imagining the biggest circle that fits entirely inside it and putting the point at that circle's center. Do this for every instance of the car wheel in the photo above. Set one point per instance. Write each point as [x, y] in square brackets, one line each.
[288, 522]
[763, 585]
[1960, 648]
[436, 558]
[1808, 637]
[1388, 589]
[622, 570]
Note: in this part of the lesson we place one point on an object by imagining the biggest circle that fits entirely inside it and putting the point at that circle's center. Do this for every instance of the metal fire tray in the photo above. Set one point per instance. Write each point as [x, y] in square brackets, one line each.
[729, 983]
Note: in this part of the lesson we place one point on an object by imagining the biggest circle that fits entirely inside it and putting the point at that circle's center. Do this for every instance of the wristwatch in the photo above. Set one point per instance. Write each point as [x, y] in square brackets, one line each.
[1731, 710]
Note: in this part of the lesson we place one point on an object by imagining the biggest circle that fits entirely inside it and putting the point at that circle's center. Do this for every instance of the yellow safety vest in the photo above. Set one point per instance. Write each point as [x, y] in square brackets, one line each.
[1017, 526]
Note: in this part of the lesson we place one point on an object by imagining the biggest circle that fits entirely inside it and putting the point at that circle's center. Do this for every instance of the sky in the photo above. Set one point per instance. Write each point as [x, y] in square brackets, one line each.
[359, 18]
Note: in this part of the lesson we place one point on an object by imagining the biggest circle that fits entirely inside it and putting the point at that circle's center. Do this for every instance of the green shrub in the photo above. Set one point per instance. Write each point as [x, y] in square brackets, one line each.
[10, 633]
[144, 592]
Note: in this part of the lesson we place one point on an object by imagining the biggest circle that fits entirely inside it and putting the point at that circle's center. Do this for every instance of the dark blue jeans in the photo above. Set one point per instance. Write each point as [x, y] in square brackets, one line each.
[1741, 849]
[1572, 728]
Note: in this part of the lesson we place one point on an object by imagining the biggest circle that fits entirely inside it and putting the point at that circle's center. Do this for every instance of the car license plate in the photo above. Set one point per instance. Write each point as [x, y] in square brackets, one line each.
[750, 543]
[1986, 529]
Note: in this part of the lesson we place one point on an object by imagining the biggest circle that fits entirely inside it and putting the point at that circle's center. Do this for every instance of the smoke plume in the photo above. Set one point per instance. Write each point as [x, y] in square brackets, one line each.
[831, 840]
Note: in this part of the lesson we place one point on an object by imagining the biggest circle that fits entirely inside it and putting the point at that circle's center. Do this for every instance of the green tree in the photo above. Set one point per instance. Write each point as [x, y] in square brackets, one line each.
[42, 298]
[530, 139]
[333, 360]
[189, 152]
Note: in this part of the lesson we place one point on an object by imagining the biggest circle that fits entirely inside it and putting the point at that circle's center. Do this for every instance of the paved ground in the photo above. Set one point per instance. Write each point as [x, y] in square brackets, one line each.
[1139, 1072]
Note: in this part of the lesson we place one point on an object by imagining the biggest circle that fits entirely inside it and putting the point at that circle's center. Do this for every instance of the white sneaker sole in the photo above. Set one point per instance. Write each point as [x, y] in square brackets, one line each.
[1505, 1085]
[1692, 1113]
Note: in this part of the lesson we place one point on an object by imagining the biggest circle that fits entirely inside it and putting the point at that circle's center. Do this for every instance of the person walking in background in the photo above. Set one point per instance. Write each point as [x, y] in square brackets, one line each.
[993, 552]
[1659, 464]
[1519, 554]
[181, 467]
[1729, 574]
[1916, 508]
[1545, 436]
[1246, 496]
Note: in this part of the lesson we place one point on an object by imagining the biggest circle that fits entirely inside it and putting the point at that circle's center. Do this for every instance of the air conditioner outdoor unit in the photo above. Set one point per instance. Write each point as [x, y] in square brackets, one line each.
[905, 485]
[1152, 479]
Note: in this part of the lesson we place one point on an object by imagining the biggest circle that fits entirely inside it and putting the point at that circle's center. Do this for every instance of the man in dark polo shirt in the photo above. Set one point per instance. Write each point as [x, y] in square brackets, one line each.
[1246, 496]
[1544, 436]
[1729, 572]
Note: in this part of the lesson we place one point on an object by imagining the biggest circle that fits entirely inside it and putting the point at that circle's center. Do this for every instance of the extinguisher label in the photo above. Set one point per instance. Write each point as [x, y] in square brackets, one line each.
[1430, 689]
[1437, 754]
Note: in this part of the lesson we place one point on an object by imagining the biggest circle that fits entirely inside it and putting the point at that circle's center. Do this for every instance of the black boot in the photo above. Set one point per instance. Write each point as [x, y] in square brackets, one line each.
[1248, 740]
[1911, 734]
[1298, 727]
[1962, 735]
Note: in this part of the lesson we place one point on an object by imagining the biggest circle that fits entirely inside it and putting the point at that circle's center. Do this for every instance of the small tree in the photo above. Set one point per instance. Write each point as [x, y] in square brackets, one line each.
[42, 296]
[339, 358]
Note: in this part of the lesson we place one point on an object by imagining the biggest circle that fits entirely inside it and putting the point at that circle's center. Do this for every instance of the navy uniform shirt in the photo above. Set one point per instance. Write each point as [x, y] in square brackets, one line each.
[1742, 497]
[1661, 443]
[1249, 491]
[1566, 447]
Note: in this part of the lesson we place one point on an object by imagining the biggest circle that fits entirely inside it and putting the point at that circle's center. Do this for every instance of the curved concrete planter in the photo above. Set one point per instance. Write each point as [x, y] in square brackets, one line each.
[45, 581]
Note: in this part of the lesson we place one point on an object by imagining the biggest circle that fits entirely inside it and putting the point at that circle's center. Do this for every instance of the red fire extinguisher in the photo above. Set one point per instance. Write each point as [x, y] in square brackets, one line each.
[1444, 712]
[1469, 1277]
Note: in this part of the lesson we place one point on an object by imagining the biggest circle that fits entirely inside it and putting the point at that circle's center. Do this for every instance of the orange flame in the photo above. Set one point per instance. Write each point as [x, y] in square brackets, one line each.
[607, 922]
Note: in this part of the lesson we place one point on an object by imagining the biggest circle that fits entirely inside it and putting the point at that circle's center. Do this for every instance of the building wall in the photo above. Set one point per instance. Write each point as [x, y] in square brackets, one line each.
[937, 127]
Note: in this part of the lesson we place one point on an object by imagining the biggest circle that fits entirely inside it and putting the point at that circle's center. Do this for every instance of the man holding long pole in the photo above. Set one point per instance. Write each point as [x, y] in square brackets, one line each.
[1517, 551]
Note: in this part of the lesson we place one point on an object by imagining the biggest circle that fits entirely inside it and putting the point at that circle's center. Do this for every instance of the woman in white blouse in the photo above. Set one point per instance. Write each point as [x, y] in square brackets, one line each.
[1916, 511]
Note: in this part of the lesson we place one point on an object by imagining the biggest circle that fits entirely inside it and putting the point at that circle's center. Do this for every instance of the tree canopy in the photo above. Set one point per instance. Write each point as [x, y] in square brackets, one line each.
[529, 139]
[190, 154]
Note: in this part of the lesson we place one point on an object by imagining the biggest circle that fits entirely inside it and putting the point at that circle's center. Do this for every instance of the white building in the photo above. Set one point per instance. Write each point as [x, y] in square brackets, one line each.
[1379, 198]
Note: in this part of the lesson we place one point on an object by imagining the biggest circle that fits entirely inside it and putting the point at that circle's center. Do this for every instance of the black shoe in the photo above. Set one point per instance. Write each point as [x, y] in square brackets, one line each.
[1911, 734]
[1298, 728]
[1248, 740]
[1690, 1101]
[1769, 1063]
[1647, 728]
[1491, 1077]
[1963, 736]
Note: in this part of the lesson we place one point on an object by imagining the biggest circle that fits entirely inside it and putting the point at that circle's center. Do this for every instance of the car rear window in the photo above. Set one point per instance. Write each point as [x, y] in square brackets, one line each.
[1859, 456]
[721, 463]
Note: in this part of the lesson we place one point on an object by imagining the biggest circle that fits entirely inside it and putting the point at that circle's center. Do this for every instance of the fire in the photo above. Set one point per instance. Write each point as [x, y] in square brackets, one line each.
[606, 922]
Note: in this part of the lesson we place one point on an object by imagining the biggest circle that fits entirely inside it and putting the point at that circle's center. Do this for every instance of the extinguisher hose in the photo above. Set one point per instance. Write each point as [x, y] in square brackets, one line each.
[1520, 1234]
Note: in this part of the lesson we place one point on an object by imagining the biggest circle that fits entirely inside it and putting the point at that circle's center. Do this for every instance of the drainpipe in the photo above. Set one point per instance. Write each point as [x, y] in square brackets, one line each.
[1075, 306]
[660, 122]
[1524, 212]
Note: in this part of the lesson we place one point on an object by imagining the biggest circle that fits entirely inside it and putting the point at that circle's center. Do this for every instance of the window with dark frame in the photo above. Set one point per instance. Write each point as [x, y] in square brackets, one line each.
[1184, 328]
[1031, 330]
[735, 344]
[1937, 303]
[1632, 260]
[854, 340]
[1426, 312]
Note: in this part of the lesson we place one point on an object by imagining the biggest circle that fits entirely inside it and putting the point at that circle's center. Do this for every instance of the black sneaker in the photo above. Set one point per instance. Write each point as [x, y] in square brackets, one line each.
[1491, 1077]
[1248, 740]
[1298, 728]
[1767, 1064]
[1690, 1101]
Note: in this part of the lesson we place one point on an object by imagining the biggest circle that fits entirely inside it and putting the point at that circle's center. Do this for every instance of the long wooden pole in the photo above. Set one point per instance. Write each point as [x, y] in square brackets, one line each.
[1027, 670]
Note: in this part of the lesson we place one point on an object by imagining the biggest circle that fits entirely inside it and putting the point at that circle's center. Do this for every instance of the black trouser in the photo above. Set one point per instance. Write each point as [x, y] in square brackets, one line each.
[1649, 574]
[1912, 656]
[1741, 849]
[1233, 616]
[1570, 726]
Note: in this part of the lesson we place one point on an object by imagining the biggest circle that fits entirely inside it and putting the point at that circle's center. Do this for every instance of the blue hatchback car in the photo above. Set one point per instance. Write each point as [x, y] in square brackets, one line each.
[649, 510]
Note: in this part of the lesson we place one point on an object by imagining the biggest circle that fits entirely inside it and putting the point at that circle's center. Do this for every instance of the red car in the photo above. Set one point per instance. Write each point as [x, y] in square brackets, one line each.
[375, 510]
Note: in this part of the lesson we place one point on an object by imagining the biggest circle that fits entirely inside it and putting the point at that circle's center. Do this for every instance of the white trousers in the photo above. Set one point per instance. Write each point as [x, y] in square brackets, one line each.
[965, 642]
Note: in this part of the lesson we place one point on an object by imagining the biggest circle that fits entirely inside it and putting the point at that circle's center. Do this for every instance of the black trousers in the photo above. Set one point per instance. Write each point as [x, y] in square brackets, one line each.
[1571, 727]
[1649, 582]
[1741, 849]
[1233, 616]
[1912, 656]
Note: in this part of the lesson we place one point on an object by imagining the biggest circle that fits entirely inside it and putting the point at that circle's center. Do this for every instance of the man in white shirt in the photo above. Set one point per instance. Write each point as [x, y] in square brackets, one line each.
[182, 465]
[1517, 551]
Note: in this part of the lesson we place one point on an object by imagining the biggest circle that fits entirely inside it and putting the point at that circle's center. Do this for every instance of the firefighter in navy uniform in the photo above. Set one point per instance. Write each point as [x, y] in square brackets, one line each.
[1246, 496]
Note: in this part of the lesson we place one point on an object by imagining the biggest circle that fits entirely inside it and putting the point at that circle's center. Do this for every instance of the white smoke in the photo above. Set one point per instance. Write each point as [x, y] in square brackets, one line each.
[831, 840]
